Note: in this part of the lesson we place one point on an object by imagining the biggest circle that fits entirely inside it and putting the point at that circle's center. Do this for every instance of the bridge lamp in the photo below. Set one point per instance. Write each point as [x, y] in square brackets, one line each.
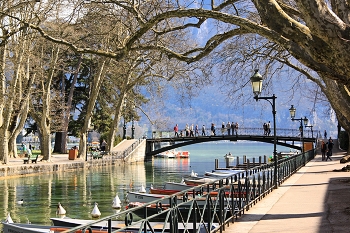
[304, 120]
[256, 81]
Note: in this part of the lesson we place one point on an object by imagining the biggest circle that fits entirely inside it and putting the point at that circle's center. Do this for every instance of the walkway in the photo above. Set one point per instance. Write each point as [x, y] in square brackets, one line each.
[315, 199]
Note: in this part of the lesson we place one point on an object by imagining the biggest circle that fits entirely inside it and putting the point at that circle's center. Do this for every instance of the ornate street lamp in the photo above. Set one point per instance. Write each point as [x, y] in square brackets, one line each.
[292, 111]
[256, 81]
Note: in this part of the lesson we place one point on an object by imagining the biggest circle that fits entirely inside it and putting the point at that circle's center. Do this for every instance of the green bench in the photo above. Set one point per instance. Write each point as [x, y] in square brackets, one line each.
[97, 155]
[33, 158]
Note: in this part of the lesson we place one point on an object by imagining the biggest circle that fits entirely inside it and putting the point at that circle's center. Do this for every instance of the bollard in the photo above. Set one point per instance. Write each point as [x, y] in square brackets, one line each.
[248, 164]
[260, 160]
[253, 162]
[244, 159]
[265, 161]
[237, 163]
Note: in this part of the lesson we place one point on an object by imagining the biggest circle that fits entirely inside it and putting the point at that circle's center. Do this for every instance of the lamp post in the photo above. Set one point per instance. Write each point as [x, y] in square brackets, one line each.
[124, 125]
[256, 81]
[89, 130]
[292, 111]
[133, 128]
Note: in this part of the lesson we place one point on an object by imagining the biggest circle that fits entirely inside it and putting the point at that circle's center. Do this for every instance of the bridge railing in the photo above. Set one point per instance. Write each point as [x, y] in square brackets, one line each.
[208, 207]
[168, 133]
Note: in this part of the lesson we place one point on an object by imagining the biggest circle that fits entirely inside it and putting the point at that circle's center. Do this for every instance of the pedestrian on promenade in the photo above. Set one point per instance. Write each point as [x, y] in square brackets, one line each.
[176, 130]
[223, 128]
[325, 134]
[233, 126]
[330, 146]
[103, 145]
[196, 131]
[228, 127]
[203, 130]
[323, 150]
[212, 128]
[192, 131]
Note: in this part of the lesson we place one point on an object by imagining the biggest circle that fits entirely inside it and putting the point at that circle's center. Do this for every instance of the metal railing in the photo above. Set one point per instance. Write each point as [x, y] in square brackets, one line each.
[121, 155]
[168, 133]
[208, 207]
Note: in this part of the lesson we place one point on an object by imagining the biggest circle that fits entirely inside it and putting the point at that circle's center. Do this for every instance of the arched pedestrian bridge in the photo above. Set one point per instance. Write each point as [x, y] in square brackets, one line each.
[285, 137]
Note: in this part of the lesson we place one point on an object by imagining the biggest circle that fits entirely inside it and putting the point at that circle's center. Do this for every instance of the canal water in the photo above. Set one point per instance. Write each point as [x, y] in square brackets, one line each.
[78, 191]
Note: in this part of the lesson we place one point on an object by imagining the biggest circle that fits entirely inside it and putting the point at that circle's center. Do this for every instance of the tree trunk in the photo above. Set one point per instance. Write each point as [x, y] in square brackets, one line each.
[94, 90]
[61, 142]
[46, 144]
[4, 145]
[12, 147]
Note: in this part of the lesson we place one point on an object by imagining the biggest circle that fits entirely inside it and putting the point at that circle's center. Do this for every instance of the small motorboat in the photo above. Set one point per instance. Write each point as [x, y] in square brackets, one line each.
[34, 228]
[169, 154]
[144, 197]
[183, 154]
[229, 156]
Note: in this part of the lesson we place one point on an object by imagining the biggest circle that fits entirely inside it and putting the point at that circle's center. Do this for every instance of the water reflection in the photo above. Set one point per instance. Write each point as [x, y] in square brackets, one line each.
[77, 191]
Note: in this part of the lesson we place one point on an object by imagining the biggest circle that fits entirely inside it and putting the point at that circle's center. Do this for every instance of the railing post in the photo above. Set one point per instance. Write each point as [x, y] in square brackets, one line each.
[248, 164]
[237, 163]
[260, 160]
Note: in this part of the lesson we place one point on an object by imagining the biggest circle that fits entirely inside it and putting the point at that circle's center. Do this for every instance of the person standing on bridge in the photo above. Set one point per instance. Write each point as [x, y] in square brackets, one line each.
[203, 130]
[233, 126]
[325, 134]
[191, 131]
[212, 128]
[223, 128]
[228, 127]
[236, 128]
[196, 131]
[176, 130]
[268, 128]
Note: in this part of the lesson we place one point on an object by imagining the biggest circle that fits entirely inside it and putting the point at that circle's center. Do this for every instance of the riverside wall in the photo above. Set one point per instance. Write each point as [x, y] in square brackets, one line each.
[61, 163]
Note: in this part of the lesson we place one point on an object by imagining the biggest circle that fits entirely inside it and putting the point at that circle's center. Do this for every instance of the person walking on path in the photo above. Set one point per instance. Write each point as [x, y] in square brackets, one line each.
[325, 134]
[323, 150]
[203, 130]
[176, 130]
[330, 147]
[228, 126]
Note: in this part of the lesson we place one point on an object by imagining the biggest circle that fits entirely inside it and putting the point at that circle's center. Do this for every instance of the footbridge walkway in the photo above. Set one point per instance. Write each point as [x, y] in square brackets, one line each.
[285, 137]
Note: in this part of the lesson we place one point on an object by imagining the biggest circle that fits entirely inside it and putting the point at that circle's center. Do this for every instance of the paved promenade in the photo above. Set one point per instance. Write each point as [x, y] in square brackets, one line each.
[315, 199]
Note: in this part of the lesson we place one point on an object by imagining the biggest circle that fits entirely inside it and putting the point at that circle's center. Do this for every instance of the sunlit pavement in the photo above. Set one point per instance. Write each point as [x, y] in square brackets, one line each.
[315, 199]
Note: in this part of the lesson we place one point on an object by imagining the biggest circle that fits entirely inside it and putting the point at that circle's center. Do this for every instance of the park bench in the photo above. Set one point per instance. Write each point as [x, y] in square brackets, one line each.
[97, 155]
[33, 158]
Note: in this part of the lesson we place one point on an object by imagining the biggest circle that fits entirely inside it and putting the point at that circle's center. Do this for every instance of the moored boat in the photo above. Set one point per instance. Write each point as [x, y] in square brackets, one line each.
[144, 197]
[183, 154]
[170, 154]
[34, 228]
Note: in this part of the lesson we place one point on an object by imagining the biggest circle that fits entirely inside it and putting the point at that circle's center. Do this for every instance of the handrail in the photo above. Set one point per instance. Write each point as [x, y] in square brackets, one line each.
[211, 205]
